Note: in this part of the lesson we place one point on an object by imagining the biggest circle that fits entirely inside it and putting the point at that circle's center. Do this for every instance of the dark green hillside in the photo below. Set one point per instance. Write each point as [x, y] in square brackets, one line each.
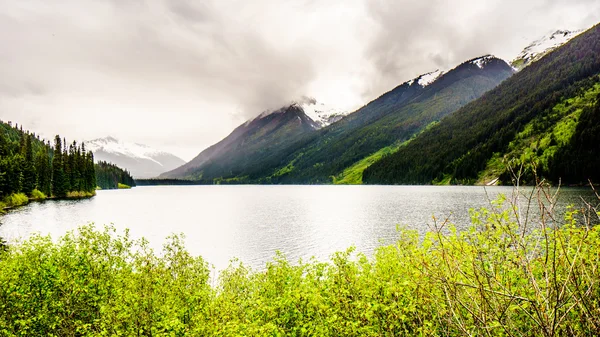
[531, 105]
[391, 119]
[579, 160]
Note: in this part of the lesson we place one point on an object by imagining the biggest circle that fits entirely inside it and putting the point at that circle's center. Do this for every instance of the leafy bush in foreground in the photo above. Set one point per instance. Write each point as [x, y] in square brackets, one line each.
[498, 278]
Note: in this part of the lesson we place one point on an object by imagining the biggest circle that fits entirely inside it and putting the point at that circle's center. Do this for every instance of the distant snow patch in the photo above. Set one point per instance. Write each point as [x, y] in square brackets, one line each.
[543, 46]
[426, 79]
[115, 146]
[482, 61]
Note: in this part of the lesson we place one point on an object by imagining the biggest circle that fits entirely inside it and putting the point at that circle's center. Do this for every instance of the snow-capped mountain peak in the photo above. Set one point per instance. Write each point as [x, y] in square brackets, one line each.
[426, 79]
[320, 113]
[538, 48]
[113, 145]
[141, 160]
[482, 61]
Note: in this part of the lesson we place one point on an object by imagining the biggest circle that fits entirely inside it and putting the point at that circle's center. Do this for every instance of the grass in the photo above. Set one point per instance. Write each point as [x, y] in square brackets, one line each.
[507, 275]
[123, 186]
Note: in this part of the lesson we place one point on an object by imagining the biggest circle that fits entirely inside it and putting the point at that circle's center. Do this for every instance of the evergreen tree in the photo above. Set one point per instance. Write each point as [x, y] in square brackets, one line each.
[73, 171]
[44, 171]
[66, 166]
[29, 172]
[59, 181]
[90, 172]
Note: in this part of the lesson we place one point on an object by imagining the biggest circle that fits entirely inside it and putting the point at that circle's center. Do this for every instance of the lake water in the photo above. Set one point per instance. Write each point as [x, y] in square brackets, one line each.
[252, 222]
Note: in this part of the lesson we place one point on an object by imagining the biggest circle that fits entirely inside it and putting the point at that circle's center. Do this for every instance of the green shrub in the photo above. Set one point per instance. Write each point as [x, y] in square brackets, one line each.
[123, 186]
[37, 194]
[15, 199]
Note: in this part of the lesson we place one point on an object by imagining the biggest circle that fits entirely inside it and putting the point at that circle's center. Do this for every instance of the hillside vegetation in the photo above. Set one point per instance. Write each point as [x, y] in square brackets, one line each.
[466, 146]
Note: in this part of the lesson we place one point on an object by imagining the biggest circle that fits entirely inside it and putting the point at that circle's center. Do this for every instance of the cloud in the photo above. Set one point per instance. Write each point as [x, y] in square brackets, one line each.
[181, 74]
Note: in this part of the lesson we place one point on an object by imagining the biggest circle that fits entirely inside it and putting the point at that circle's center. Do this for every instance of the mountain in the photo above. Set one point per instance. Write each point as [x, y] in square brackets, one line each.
[256, 141]
[543, 46]
[140, 160]
[543, 119]
[317, 152]
[386, 122]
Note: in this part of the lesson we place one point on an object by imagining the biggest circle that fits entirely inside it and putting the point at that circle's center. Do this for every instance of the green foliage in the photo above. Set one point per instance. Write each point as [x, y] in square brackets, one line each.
[15, 199]
[123, 186]
[500, 277]
[100, 283]
[463, 144]
[110, 176]
[80, 194]
[38, 195]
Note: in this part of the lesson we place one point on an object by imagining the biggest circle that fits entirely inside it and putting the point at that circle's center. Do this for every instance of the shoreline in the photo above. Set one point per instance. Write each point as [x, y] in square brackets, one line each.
[88, 195]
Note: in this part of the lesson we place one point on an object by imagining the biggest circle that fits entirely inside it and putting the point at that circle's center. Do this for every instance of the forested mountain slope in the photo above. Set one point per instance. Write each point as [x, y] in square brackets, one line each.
[466, 146]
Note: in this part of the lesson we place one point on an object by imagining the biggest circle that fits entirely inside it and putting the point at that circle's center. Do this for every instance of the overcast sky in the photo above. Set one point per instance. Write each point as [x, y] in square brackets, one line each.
[179, 75]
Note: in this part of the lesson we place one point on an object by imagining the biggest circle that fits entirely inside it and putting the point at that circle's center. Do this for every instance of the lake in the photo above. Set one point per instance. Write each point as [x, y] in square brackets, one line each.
[253, 222]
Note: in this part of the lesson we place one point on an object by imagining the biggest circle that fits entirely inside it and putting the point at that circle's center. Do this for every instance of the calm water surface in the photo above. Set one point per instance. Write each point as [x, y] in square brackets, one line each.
[252, 222]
